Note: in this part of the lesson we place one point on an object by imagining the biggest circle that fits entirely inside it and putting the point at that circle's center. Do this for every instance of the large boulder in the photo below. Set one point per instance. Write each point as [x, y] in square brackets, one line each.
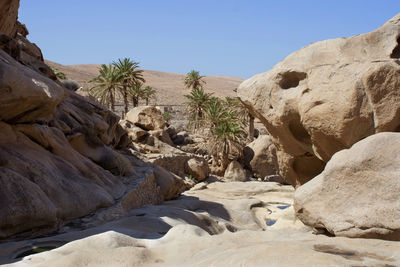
[326, 97]
[170, 184]
[260, 157]
[235, 172]
[38, 162]
[26, 96]
[134, 133]
[357, 195]
[146, 117]
[198, 168]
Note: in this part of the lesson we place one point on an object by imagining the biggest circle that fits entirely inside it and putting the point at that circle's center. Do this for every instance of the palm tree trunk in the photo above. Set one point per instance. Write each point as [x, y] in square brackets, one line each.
[251, 127]
[112, 101]
[225, 159]
[135, 101]
[147, 101]
[126, 102]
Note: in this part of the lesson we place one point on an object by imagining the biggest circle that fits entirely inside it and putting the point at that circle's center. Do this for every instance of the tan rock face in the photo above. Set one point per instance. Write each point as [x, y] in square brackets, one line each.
[260, 157]
[327, 96]
[215, 224]
[57, 149]
[357, 195]
[198, 168]
[146, 117]
[25, 95]
[235, 172]
[8, 16]
[38, 163]
[170, 184]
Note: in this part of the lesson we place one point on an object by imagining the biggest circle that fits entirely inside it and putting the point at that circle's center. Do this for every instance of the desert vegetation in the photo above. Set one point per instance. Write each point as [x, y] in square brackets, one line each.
[59, 74]
[222, 121]
[121, 79]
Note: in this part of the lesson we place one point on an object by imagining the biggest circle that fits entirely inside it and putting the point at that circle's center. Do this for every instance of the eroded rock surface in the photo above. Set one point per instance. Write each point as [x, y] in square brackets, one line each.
[235, 172]
[260, 157]
[213, 224]
[357, 195]
[326, 97]
[58, 157]
[146, 117]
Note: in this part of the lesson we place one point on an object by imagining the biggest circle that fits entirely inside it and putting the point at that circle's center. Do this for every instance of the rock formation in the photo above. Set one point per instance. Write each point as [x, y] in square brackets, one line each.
[260, 157]
[357, 195]
[146, 117]
[61, 155]
[213, 224]
[235, 172]
[326, 97]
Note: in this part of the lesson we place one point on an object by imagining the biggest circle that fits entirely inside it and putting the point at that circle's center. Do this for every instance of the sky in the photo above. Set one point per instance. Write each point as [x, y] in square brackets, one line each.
[237, 38]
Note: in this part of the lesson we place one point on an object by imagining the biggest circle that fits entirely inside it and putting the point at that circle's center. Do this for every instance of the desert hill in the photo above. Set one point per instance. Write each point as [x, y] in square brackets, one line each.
[169, 86]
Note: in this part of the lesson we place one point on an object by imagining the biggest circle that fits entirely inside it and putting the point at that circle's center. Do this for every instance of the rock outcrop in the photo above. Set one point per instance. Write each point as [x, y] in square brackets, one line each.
[357, 195]
[8, 17]
[326, 97]
[146, 117]
[198, 168]
[260, 157]
[58, 157]
[235, 172]
[146, 132]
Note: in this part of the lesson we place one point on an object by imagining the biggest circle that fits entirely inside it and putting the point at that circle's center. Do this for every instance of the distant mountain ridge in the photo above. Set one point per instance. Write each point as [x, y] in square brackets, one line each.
[169, 86]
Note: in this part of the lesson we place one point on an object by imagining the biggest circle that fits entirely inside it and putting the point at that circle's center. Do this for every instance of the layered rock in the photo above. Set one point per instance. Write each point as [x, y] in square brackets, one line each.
[357, 195]
[57, 149]
[326, 97]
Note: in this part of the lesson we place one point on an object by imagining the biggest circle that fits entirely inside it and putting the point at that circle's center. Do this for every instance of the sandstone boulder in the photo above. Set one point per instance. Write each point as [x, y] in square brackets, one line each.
[235, 172]
[170, 184]
[162, 135]
[26, 96]
[39, 161]
[260, 157]
[134, 133]
[198, 168]
[146, 117]
[357, 195]
[326, 97]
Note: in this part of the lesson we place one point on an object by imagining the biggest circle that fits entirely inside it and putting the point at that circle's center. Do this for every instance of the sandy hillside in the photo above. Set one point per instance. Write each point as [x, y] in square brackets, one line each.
[169, 86]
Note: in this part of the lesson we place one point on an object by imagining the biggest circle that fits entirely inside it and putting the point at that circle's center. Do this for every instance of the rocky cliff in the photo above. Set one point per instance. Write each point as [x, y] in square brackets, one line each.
[58, 151]
[328, 96]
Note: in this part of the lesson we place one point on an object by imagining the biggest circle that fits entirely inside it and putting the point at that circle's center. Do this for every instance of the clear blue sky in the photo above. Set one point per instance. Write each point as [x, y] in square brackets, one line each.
[217, 37]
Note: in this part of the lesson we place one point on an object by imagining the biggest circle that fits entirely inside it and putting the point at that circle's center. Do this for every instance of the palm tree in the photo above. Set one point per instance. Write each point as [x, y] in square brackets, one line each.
[225, 140]
[215, 111]
[197, 101]
[136, 91]
[148, 93]
[106, 84]
[194, 80]
[243, 113]
[130, 74]
[226, 134]
[60, 75]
